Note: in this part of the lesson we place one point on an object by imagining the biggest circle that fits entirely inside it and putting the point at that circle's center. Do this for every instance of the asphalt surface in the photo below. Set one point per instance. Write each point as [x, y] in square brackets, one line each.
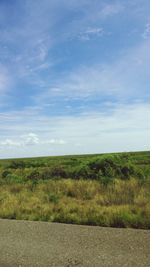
[41, 244]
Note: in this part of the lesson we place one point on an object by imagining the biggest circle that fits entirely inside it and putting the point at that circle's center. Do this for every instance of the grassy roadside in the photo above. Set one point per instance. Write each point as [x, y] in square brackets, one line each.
[110, 190]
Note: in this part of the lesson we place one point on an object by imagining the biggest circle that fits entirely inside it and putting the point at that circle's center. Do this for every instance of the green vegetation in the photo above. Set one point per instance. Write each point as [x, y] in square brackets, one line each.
[106, 190]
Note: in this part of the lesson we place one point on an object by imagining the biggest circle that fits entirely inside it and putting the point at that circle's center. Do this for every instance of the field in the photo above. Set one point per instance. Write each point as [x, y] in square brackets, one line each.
[106, 190]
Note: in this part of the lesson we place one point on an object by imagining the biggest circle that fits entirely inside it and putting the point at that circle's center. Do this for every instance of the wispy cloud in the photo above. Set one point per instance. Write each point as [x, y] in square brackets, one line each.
[111, 9]
[90, 33]
[9, 143]
[71, 70]
[5, 80]
[55, 142]
[36, 34]
[126, 127]
[127, 77]
[30, 139]
[146, 32]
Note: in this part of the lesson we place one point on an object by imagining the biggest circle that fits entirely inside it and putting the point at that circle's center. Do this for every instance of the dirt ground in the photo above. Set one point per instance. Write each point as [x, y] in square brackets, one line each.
[41, 244]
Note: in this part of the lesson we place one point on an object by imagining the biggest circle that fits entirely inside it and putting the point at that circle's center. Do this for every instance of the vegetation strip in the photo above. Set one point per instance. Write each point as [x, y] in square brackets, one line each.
[105, 190]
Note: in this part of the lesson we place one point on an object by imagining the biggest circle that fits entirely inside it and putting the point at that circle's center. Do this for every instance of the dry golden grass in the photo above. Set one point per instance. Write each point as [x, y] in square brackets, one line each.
[121, 204]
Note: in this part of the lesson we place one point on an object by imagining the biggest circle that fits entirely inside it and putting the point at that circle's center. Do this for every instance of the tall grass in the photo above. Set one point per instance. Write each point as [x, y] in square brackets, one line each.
[123, 203]
[106, 190]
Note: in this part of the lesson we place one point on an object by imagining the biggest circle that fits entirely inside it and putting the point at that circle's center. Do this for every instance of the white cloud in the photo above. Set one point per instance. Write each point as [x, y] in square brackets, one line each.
[90, 33]
[122, 128]
[55, 141]
[91, 23]
[30, 139]
[146, 33]
[111, 9]
[9, 142]
[35, 34]
[126, 77]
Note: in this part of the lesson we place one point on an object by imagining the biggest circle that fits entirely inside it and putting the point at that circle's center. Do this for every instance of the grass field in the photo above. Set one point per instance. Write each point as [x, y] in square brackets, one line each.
[106, 190]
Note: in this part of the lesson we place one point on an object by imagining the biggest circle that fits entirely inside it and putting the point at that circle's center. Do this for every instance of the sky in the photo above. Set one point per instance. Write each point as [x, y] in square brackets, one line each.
[74, 77]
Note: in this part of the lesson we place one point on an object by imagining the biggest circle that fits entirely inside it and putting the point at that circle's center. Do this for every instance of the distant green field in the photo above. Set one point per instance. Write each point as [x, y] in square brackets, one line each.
[106, 189]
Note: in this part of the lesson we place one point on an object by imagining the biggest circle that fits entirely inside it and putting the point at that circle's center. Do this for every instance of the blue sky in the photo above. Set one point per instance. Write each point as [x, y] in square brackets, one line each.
[74, 77]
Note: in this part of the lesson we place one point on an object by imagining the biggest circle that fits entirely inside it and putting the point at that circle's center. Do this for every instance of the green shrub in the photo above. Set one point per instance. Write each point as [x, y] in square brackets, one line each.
[34, 175]
[103, 167]
[12, 178]
[58, 171]
[81, 171]
[5, 173]
[17, 164]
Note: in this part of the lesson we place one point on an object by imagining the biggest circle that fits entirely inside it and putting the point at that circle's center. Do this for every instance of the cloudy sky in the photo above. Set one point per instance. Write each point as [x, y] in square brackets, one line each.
[74, 76]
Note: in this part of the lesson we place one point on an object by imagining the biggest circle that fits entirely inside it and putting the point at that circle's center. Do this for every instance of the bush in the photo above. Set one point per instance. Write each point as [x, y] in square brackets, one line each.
[12, 178]
[127, 171]
[46, 174]
[5, 173]
[81, 171]
[104, 167]
[58, 172]
[114, 167]
[34, 175]
[17, 164]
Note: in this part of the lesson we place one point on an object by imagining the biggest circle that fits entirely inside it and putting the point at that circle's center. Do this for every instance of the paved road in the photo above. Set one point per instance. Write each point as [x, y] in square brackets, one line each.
[40, 244]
